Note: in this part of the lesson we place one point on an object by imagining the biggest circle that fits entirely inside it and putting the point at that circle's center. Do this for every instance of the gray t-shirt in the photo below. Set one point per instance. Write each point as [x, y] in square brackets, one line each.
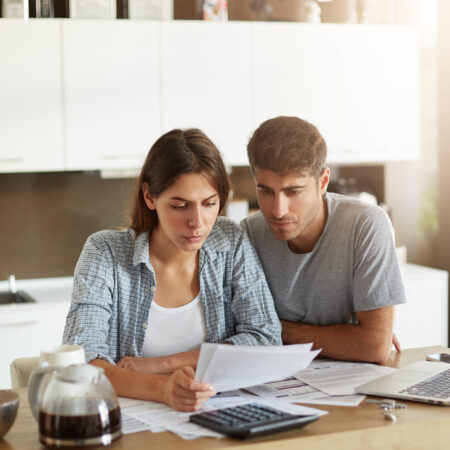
[353, 266]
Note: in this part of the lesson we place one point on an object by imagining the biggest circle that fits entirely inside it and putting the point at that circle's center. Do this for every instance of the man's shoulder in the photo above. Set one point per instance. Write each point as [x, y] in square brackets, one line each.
[352, 209]
[254, 222]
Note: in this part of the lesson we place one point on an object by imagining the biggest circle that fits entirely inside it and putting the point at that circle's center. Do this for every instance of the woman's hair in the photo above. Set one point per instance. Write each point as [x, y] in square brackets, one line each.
[176, 153]
[287, 144]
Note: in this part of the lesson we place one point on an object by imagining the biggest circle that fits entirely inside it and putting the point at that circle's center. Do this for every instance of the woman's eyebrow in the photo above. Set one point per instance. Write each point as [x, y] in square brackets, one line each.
[181, 199]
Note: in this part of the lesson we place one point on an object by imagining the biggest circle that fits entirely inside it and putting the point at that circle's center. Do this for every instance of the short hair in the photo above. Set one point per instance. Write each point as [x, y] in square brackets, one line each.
[176, 153]
[287, 144]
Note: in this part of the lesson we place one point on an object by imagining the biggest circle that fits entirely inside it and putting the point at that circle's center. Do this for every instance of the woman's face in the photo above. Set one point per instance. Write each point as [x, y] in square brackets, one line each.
[187, 211]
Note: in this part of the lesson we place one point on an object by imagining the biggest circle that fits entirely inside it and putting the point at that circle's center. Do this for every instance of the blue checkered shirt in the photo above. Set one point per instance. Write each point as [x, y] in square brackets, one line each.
[114, 286]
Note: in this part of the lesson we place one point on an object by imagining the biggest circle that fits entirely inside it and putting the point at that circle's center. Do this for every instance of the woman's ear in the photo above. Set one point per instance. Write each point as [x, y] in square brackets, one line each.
[148, 199]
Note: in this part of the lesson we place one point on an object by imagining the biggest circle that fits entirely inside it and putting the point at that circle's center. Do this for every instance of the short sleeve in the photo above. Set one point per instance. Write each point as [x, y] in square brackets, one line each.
[377, 279]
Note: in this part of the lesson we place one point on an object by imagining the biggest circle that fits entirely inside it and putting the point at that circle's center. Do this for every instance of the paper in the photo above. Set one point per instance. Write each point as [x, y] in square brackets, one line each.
[293, 390]
[140, 415]
[340, 377]
[228, 367]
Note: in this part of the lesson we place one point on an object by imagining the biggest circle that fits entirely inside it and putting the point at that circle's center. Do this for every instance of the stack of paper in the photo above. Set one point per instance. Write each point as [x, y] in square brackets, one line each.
[227, 367]
[139, 415]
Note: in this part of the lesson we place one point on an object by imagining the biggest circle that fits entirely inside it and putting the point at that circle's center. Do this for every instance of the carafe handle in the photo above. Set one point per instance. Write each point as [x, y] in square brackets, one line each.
[37, 384]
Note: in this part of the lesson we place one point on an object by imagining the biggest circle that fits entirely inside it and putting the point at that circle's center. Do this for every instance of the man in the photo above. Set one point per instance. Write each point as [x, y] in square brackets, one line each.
[329, 260]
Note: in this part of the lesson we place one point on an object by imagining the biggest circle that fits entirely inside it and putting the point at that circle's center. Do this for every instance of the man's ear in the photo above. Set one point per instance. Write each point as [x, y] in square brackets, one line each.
[324, 180]
[148, 199]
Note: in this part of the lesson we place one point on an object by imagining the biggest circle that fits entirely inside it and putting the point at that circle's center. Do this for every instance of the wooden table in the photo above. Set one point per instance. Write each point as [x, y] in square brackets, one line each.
[363, 427]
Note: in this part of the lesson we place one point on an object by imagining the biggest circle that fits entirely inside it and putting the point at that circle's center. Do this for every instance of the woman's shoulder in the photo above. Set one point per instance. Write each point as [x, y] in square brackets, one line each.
[115, 240]
[227, 226]
[225, 234]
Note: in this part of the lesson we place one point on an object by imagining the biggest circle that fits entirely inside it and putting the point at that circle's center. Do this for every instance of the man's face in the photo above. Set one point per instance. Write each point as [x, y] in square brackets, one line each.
[293, 204]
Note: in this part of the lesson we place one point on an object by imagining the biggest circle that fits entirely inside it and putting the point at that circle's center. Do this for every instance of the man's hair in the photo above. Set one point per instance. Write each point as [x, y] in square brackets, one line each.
[287, 144]
[176, 153]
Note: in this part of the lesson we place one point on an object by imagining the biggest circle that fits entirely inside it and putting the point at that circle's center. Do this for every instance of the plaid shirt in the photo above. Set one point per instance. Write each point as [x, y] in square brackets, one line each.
[114, 288]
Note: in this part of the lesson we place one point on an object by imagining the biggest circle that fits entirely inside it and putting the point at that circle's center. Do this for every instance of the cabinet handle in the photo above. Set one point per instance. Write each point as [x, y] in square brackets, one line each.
[18, 324]
[11, 160]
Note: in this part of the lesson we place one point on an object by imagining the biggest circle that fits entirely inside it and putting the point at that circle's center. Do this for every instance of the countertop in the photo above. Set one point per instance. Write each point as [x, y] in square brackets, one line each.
[46, 292]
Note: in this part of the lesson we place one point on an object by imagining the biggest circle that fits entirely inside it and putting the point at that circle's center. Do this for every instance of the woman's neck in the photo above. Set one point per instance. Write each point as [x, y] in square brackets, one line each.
[163, 250]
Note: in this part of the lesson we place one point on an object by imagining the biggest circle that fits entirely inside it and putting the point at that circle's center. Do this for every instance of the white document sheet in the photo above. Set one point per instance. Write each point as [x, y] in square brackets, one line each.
[140, 415]
[340, 377]
[292, 390]
[228, 367]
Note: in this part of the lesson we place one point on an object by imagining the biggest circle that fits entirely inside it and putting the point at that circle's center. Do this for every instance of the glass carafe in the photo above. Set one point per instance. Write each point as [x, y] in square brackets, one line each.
[79, 407]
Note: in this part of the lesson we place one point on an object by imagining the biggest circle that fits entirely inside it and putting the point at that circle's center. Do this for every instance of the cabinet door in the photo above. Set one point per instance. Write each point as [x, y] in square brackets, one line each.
[28, 329]
[111, 92]
[30, 96]
[379, 93]
[206, 82]
[295, 74]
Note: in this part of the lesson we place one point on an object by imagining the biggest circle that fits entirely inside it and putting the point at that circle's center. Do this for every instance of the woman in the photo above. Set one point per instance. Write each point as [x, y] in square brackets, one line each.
[145, 298]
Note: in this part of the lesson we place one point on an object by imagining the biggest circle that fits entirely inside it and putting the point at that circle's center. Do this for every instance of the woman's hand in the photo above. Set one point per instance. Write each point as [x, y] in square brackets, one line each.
[183, 393]
[146, 365]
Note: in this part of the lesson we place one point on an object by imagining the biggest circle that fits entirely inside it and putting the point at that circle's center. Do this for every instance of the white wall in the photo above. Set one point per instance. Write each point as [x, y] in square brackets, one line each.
[411, 188]
[443, 239]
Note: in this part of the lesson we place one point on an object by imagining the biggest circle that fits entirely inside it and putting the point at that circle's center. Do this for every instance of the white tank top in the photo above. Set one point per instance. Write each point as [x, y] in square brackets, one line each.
[174, 330]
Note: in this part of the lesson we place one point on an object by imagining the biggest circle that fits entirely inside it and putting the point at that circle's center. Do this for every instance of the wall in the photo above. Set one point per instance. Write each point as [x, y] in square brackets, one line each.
[443, 239]
[411, 187]
[46, 218]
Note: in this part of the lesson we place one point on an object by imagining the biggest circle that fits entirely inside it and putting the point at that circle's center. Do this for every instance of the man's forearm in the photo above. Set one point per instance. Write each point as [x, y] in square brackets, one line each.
[350, 342]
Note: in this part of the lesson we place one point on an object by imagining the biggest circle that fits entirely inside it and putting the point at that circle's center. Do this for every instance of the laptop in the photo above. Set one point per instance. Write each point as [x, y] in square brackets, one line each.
[422, 381]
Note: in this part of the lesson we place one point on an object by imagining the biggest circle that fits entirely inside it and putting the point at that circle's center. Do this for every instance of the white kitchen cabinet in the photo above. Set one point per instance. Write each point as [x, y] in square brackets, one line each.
[378, 94]
[358, 84]
[28, 327]
[26, 330]
[31, 133]
[206, 82]
[93, 94]
[111, 92]
[295, 74]
[423, 320]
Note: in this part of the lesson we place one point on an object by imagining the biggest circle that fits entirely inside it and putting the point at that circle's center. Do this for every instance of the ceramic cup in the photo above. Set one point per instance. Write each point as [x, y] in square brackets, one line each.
[62, 355]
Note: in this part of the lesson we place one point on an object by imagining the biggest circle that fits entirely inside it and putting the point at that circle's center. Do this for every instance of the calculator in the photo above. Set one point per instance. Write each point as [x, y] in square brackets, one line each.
[250, 420]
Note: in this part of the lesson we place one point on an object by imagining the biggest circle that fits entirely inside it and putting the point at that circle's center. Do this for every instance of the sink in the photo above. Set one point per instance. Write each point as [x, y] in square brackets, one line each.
[7, 298]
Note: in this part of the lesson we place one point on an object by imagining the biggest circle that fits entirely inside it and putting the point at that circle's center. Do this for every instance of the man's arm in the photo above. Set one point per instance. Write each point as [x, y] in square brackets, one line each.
[370, 340]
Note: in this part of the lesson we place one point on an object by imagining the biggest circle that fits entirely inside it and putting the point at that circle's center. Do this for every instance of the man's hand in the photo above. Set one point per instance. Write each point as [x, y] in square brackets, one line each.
[396, 343]
[183, 393]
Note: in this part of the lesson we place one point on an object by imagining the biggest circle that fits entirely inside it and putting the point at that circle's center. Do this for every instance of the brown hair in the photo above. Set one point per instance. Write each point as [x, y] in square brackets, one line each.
[176, 153]
[287, 144]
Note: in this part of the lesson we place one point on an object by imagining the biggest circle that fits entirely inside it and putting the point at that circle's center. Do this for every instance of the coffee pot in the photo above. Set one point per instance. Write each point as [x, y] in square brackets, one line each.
[75, 406]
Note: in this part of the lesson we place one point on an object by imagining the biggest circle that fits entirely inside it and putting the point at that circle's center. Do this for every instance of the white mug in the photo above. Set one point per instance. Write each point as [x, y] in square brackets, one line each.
[62, 355]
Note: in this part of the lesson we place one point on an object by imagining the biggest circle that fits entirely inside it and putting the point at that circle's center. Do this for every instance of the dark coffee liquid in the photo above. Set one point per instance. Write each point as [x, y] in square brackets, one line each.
[78, 427]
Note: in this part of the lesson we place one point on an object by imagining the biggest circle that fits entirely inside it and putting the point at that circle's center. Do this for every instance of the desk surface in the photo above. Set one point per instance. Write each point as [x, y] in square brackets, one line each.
[344, 427]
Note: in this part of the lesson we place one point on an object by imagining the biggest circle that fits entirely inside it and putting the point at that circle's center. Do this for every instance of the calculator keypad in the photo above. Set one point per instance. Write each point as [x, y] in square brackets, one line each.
[250, 420]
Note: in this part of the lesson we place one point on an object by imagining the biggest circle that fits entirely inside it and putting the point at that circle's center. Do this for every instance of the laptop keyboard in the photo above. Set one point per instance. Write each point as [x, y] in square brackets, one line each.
[437, 386]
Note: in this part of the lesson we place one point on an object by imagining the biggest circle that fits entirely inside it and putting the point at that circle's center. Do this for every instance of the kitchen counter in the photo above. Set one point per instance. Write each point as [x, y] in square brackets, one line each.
[26, 328]
[43, 290]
